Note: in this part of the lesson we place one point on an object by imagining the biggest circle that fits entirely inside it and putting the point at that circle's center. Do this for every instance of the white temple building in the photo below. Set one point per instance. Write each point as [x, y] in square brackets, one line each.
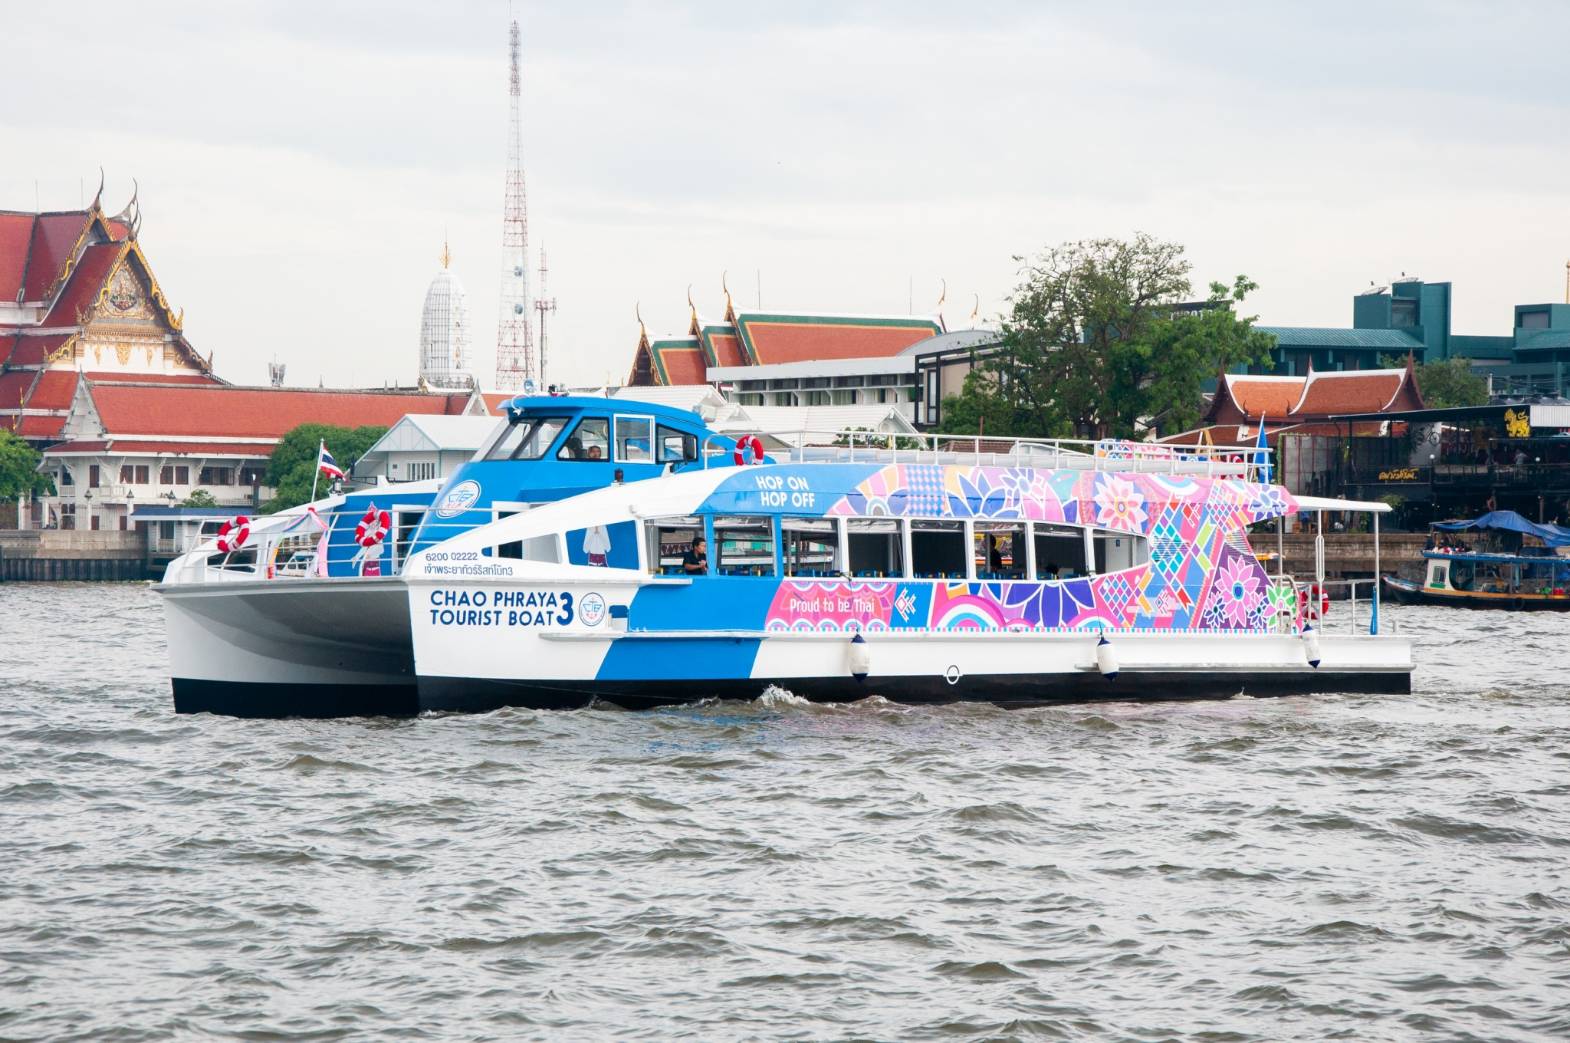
[444, 331]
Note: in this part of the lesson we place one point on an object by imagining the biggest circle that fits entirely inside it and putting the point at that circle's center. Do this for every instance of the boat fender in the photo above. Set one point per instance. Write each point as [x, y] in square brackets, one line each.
[1311, 645]
[1106, 659]
[859, 658]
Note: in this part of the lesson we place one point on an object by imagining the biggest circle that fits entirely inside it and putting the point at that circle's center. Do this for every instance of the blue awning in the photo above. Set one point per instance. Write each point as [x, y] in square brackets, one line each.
[1510, 521]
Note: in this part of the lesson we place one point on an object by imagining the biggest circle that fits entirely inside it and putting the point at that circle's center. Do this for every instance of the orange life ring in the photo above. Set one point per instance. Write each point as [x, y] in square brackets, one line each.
[373, 527]
[748, 445]
[240, 527]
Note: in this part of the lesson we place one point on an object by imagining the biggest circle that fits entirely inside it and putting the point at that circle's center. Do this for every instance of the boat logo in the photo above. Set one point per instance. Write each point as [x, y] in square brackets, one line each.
[905, 603]
[591, 610]
[458, 499]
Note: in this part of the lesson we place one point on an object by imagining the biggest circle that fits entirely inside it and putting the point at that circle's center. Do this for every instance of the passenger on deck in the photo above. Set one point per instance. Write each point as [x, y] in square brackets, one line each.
[696, 559]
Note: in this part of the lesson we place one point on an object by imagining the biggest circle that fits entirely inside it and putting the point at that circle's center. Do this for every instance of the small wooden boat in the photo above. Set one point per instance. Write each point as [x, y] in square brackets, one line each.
[1508, 563]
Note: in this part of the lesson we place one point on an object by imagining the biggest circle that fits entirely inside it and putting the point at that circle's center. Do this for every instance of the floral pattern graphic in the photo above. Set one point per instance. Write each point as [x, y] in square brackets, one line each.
[1193, 579]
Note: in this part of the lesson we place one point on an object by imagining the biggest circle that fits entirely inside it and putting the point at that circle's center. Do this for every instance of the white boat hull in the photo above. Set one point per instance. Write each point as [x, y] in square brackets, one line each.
[290, 648]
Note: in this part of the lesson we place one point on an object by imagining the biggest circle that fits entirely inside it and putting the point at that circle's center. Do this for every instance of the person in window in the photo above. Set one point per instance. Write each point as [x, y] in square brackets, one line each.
[994, 556]
[696, 558]
[594, 452]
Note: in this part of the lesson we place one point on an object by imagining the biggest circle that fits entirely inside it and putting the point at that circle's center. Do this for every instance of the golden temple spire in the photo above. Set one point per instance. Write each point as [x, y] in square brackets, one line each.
[446, 254]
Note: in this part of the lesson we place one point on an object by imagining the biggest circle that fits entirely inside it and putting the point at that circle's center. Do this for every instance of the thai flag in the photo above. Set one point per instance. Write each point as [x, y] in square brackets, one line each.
[325, 461]
[1262, 454]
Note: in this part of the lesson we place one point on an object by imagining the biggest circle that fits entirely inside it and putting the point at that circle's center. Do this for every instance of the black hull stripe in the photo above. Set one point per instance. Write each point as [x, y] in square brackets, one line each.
[478, 696]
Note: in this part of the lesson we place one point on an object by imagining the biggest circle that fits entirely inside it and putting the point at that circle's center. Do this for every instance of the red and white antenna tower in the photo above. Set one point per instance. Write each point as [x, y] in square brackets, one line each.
[515, 362]
[544, 305]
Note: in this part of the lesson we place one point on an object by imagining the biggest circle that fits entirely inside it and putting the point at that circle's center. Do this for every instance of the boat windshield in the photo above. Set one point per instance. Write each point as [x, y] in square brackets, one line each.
[528, 439]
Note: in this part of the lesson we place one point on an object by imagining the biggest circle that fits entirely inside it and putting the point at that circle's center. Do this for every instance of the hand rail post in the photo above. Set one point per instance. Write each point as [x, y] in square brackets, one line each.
[1373, 619]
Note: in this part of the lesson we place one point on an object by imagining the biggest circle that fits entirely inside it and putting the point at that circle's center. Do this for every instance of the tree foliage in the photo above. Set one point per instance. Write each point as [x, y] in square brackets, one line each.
[19, 469]
[292, 466]
[1450, 383]
[1094, 345]
[199, 498]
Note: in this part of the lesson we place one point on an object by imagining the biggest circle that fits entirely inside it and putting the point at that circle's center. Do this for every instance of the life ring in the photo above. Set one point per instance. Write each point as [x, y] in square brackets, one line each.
[748, 445]
[373, 527]
[233, 533]
[1306, 594]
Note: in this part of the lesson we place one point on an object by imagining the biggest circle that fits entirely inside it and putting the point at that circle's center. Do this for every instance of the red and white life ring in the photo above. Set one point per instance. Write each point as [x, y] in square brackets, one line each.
[233, 533]
[373, 527]
[1305, 596]
[748, 445]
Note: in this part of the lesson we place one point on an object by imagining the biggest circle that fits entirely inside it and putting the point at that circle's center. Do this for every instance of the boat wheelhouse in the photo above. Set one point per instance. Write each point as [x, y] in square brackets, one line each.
[1083, 574]
[302, 613]
[1499, 560]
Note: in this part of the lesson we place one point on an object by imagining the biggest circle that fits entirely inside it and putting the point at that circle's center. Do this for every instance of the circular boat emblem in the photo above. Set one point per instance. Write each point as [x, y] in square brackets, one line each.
[591, 609]
[458, 499]
[952, 674]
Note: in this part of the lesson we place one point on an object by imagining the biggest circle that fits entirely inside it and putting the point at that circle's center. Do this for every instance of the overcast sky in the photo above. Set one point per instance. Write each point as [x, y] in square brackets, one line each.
[300, 162]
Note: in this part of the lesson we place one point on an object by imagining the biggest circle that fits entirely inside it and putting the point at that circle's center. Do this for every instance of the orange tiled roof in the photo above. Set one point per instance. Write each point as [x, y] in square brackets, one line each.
[679, 361]
[722, 346]
[1264, 396]
[40, 426]
[55, 389]
[54, 236]
[773, 338]
[1354, 391]
[22, 350]
[85, 281]
[154, 378]
[16, 232]
[130, 409]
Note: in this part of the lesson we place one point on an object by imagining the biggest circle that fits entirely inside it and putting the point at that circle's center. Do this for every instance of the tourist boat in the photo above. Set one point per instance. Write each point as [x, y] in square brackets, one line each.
[302, 613]
[918, 576]
[1504, 562]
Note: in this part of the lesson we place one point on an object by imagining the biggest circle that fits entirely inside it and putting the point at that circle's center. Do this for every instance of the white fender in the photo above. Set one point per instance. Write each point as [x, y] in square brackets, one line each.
[1106, 659]
[859, 658]
[1311, 645]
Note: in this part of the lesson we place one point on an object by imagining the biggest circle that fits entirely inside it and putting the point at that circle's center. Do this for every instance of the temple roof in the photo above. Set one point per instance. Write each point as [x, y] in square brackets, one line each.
[770, 337]
[240, 412]
[1245, 397]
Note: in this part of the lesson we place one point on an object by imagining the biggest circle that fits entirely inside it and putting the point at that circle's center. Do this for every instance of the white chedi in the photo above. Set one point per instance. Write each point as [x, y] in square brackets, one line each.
[444, 330]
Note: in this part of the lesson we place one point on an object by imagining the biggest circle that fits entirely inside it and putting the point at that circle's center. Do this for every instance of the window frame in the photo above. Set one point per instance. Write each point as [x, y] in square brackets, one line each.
[618, 442]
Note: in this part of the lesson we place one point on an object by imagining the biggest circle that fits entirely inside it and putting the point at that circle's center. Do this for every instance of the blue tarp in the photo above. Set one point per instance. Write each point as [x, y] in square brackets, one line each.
[1510, 521]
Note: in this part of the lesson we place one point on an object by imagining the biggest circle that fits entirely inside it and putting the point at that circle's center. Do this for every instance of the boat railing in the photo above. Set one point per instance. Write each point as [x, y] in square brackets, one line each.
[861, 446]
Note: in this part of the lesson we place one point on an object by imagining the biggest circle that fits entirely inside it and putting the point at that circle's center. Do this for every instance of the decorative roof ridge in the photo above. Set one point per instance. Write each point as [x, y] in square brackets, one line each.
[777, 313]
[1314, 376]
[1280, 378]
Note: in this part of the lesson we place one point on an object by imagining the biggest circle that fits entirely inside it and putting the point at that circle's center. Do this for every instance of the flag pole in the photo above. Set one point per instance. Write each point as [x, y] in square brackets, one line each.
[316, 471]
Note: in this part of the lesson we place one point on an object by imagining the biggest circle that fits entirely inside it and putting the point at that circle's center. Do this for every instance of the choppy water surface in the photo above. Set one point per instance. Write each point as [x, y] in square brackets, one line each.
[1311, 868]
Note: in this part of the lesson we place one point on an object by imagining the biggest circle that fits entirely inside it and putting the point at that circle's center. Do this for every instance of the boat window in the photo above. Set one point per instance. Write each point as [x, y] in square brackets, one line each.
[1060, 551]
[405, 522]
[546, 548]
[875, 547]
[669, 541]
[634, 439]
[590, 440]
[1119, 550]
[744, 546]
[676, 446]
[937, 549]
[811, 546]
[528, 439]
[999, 550]
[508, 550]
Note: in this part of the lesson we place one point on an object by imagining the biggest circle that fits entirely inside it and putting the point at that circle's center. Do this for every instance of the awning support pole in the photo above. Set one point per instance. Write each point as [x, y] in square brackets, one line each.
[1373, 621]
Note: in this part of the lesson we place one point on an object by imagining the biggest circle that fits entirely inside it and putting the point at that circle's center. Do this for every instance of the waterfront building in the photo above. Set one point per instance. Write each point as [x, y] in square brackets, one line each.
[424, 446]
[444, 330]
[1413, 317]
[787, 358]
[78, 300]
[128, 444]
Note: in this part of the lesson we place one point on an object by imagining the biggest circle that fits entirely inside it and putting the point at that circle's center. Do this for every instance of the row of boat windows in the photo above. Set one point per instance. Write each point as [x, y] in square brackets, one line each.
[634, 440]
[886, 548]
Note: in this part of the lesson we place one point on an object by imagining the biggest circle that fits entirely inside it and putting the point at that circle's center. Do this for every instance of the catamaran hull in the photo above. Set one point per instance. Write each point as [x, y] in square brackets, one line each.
[296, 648]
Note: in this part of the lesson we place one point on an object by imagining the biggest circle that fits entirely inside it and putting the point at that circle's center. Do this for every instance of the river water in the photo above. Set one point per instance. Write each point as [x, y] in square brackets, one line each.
[1337, 867]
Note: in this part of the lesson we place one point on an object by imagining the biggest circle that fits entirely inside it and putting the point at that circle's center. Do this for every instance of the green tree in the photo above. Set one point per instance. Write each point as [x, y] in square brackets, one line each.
[1450, 383]
[199, 498]
[19, 469]
[1093, 344]
[292, 466]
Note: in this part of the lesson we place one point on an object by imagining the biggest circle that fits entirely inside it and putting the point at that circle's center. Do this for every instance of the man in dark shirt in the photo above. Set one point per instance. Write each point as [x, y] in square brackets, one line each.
[696, 558]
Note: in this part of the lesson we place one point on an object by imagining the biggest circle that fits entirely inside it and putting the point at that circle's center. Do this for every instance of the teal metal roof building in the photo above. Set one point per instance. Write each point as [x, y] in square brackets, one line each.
[1413, 316]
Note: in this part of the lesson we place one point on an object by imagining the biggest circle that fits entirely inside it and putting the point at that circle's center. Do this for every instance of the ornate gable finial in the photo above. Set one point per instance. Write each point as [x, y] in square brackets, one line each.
[99, 196]
[730, 307]
[975, 310]
[643, 331]
[131, 216]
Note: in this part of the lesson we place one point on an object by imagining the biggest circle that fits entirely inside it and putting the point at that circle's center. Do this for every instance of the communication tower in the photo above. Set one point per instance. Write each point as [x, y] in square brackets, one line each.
[545, 306]
[515, 362]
